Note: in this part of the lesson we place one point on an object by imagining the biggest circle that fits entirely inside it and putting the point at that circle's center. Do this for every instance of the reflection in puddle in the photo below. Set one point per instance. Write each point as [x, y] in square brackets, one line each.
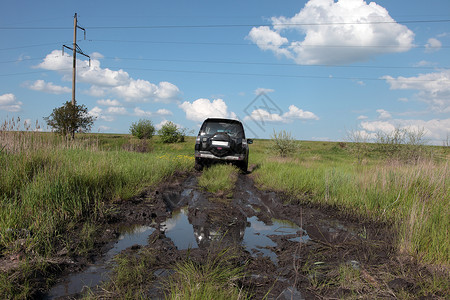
[257, 235]
[76, 283]
[179, 230]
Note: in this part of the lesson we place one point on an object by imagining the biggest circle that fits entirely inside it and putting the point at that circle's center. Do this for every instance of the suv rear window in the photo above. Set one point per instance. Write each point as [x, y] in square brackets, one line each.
[232, 129]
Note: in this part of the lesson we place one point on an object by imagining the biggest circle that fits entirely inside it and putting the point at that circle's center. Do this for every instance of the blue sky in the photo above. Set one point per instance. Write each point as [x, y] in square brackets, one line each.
[317, 68]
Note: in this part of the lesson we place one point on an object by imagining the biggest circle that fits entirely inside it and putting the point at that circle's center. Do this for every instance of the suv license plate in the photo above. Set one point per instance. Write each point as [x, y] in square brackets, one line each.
[219, 143]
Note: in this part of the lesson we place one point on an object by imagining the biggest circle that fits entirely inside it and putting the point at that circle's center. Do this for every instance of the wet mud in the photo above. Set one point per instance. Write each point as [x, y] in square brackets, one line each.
[290, 251]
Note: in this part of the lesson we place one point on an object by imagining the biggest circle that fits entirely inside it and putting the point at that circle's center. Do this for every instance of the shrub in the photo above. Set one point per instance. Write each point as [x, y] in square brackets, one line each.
[402, 144]
[283, 144]
[170, 133]
[143, 129]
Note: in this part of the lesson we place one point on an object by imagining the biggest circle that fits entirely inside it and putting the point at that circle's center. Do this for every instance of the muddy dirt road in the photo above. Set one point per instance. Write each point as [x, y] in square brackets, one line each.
[289, 251]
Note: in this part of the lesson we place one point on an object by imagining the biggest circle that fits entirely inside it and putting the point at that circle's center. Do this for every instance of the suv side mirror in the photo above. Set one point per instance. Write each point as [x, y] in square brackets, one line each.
[249, 141]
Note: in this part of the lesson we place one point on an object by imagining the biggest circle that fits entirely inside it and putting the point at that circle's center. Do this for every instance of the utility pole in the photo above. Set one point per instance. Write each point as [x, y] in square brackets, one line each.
[75, 49]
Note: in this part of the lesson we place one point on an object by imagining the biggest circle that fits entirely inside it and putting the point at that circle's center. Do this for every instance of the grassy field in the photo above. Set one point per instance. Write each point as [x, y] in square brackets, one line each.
[412, 197]
[53, 190]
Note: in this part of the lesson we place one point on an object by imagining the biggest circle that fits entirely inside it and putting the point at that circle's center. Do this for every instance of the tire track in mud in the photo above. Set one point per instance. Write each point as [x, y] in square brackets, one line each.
[290, 251]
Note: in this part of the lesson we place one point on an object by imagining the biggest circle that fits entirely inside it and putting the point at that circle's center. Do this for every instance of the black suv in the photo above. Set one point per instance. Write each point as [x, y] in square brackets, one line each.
[221, 140]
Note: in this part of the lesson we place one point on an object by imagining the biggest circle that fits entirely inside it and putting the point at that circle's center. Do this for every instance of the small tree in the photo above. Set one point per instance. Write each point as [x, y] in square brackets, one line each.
[69, 119]
[170, 133]
[143, 129]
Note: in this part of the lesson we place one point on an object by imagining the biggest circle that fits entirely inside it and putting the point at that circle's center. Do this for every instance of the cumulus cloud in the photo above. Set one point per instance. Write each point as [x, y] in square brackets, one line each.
[433, 45]
[294, 113]
[201, 109]
[434, 88]
[160, 112]
[108, 102]
[99, 113]
[435, 130]
[259, 91]
[334, 32]
[161, 124]
[105, 81]
[48, 87]
[164, 112]
[9, 102]
[383, 114]
[117, 110]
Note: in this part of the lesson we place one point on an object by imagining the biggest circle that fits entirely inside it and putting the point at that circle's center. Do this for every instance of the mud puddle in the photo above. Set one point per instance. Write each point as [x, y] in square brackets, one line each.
[273, 239]
[79, 282]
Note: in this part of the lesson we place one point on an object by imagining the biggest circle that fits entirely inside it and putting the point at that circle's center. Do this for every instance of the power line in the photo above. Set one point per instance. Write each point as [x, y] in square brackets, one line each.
[260, 44]
[272, 64]
[228, 25]
[250, 63]
[283, 75]
[31, 46]
[34, 72]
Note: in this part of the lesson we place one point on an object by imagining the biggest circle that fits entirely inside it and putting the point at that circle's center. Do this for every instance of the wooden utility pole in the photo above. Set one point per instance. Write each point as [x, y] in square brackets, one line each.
[75, 49]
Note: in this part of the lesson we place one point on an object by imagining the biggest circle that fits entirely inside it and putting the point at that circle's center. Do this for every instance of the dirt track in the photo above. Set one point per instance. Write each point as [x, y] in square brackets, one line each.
[290, 251]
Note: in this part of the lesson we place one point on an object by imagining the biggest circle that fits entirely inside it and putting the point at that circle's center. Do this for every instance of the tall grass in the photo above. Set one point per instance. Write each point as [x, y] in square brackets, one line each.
[50, 186]
[217, 278]
[41, 191]
[413, 197]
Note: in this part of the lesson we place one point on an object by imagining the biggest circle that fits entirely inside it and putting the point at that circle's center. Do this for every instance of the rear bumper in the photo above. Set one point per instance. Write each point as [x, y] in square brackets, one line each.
[209, 155]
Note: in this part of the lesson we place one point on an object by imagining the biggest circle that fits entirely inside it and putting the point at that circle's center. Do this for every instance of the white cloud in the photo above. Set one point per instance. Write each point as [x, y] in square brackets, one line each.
[261, 115]
[434, 88]
[160, 124]
[383, 114]
[201, 109]
[362, 117]
[143, 91]
[436, 130]
[141, 113]
[108, 102]
[166, 92]
[98, 113]
[117, 110]
[351, 31]
[96, 55]
[433, 45]
[259, 91]
[164, 112]
[294, 112]
[297, 113]
[48, 87]
[9, 102]
[160, 112]
[267, 39]
[105, 81]
[378, 126]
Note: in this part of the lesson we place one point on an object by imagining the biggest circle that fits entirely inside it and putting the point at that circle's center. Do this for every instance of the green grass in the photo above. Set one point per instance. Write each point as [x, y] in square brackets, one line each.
[54, 195]
[219, 178]
[131, 275]
[216, 278]
[413, 197]
[53, 191]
